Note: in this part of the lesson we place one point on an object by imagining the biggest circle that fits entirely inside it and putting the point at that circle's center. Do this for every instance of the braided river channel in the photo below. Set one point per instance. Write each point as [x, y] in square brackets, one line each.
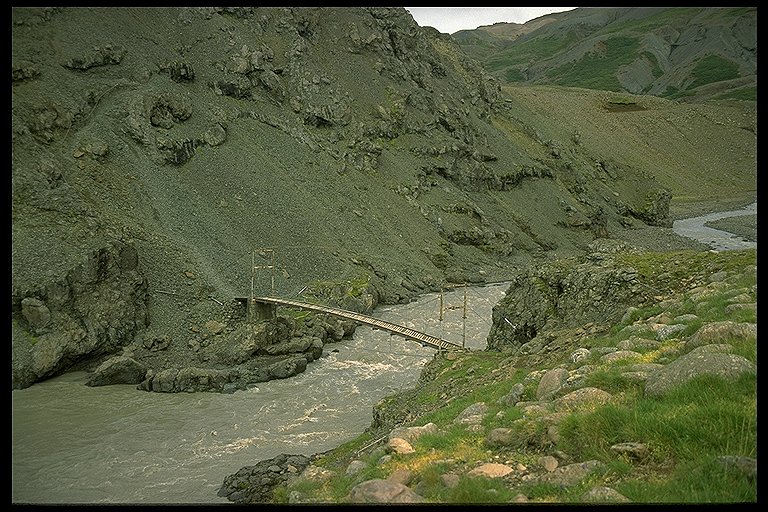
[74, 444]
[696, 228]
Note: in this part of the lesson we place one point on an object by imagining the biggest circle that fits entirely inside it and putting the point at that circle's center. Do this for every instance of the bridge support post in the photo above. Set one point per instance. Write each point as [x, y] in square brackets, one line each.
[260, 312]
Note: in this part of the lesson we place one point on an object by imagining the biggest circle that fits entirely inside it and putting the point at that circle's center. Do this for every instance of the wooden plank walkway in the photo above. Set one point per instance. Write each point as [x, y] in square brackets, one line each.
[423, 338]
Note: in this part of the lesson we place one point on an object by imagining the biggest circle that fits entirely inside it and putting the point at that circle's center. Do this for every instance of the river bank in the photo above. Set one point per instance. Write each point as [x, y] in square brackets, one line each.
[114, 444]
[700, 228]
[681, 209]
[660, 238]
[744, 226]
[582, 415]
[75, 444]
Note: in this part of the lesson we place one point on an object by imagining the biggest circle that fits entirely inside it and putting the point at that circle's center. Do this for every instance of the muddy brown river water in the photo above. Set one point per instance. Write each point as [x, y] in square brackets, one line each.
[74, 444]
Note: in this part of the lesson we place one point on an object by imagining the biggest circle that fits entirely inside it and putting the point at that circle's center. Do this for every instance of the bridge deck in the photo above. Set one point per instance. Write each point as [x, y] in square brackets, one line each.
[400, 330]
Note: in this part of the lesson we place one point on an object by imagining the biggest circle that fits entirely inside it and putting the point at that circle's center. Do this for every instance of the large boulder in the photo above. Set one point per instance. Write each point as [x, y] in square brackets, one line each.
[288, 367]
[96, 309]
[383, 491]
[721, 332]
[700, 361]
[654, 209]
[117, 370]
[190, 379]
[35, 312]
[255, 484]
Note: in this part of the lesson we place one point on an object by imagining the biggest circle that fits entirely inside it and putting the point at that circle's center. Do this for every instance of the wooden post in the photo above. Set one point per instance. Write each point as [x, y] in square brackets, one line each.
[272, 267]
[257, 311]
[464, 320]
[253, 280]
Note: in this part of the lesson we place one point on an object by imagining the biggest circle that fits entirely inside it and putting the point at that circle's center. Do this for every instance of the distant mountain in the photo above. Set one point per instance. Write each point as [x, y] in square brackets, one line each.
[489, 40]
[678, 53]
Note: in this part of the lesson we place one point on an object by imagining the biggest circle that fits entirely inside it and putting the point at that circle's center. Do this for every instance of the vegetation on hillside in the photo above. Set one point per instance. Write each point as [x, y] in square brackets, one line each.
[687, 433]
[640, 50]
[713, 68]
[598, 70]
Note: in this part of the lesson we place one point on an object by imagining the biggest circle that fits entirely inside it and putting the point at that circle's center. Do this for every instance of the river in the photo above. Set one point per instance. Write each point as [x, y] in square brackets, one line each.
[695, 228]
[74, 444]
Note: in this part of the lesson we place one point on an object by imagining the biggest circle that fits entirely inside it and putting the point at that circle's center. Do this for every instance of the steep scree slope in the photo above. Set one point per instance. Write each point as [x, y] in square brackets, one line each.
[155, 149]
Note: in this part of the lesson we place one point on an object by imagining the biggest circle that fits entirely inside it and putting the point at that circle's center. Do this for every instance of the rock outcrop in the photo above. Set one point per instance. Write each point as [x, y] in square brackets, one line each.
[95, 309]
[547, 297]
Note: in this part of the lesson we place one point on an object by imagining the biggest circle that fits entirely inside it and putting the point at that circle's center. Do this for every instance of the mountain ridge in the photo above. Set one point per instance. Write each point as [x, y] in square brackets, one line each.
[678, 53]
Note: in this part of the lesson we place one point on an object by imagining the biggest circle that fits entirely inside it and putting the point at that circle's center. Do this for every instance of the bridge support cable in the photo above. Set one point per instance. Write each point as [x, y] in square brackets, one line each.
[464, 320]
[406, 332]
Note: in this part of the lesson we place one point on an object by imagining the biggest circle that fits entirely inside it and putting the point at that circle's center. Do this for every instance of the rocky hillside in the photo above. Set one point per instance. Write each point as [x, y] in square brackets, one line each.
[688, 53]
[647, 399]
[155, 151]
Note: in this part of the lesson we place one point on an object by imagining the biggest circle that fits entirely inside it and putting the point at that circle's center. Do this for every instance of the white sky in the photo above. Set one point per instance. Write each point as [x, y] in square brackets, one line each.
[452, 19]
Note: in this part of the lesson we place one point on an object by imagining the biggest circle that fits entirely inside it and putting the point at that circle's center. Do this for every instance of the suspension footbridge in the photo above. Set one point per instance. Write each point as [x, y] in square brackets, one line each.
[400, 330]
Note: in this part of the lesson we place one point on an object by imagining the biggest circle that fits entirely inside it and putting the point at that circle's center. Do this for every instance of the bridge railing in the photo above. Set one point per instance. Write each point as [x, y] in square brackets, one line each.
[406, 332]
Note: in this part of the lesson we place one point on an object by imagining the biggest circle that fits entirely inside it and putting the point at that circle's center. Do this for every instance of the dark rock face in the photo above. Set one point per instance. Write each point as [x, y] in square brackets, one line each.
[654, 211]
[247, 355]
[255, 484]
[95, 310]
[36, 313]
[554, 296]
[107, 55]
[188, 380]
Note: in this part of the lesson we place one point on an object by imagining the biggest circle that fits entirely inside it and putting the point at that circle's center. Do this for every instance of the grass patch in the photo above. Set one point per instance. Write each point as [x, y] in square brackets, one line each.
[746, 348]
[598, 70]
[447, 440]
[529, 50]
[338, 457]
[339, 289]
[675, 16]
[455, 442]
[641, 314]
[19, 332]
[512, 75]
[715, 310]
[704, 480]
[550, 493]
[673, 93]
[713, 68]
[690, 328]
[675, 269]
[480, 490]
[744, 93]
[299, 315]
[656, 70]
[706, 417]
[610, 379]
[460, 374]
